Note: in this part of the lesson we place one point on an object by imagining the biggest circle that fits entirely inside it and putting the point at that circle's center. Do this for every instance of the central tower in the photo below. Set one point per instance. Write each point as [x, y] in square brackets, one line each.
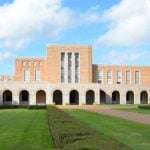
[69, 63]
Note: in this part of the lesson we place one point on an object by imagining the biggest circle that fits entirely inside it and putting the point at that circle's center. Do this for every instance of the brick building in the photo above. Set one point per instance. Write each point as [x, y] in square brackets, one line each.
[67, 76]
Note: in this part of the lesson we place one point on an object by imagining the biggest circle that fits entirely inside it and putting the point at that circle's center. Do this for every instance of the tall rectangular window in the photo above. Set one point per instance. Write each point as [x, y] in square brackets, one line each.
[37, 75]
[76, 67]
[128, 77]
[62, 67]
[26, 75]
[137, 77]
[109, 77]
[69, 67]
[99, 76]
[118, 77]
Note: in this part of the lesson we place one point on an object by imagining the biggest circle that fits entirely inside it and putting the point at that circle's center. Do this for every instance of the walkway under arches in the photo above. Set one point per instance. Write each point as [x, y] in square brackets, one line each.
[90, 97]
[40, 97]
[144, 97]
[116, 97]
[130, 97]
[24, 97]
[102, 97]
[58, 97]
[74, 97]
[7, 97]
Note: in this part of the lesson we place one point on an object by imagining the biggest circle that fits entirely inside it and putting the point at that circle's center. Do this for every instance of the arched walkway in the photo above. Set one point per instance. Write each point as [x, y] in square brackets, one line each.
[130, 97]
[24, 97]
[41, 97]
[7, 97]
[144, 97]
[74, 97]
[90, 97]
[116, 97]
[102, 97]
[57, 97]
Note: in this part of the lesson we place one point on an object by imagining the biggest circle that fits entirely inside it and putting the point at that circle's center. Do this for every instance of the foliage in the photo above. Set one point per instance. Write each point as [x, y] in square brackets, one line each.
[144, 106]
[70, 134]
[31, 107]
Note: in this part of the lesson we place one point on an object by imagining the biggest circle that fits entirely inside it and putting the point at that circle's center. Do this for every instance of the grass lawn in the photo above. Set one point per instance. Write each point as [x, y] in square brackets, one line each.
[135, 135]
[22, 129]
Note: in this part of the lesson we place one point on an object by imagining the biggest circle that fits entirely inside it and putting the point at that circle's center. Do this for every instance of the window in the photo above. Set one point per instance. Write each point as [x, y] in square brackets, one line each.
[128, 76]
[23, 63]
[99, 76]
[109, 77]
[37, 75]
[26, 75]
[62, 67]
[76, 67]
[137, 77]
[69, 67]
[34, 63]
[119, 77]
[29, 63]
[40, 63]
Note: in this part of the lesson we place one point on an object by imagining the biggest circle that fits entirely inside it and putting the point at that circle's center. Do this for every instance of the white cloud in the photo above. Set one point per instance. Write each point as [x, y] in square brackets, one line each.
[22, 20]
[92, 15]
[4, 55]
[124, 57]
[128, 23]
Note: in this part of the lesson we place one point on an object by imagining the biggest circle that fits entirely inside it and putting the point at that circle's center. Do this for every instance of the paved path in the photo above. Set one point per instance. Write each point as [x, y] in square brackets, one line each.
[138, 117]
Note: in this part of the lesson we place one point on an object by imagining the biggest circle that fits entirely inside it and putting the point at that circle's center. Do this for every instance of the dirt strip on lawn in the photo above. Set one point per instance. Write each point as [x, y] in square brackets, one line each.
[141, 118]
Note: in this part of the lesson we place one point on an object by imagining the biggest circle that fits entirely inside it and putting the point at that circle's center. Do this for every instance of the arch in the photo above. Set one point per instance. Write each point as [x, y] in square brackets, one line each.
[24, 97]
[7, 97]
[57, 97]
[116, 97]
[144, 97]
[102, 97]
[74, 97]
[41, 97]
[90, 97]
[130, 97]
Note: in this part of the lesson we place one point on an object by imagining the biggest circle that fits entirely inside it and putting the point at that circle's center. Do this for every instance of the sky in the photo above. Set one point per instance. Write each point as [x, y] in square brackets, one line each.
[118, 30]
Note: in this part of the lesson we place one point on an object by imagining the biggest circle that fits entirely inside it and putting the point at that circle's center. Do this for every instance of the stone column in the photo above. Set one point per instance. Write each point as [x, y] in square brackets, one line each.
[15, 98]
[1, 98]
[82, 98]
[149, 97]
[97, 97]
[32, 100]
[123, 98]
[49, 99]
[137, 97]
[65, 98]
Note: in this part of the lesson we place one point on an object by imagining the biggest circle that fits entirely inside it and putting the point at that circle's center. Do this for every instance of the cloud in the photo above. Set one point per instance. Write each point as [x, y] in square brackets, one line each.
[4, 55]
[125, 57]
[128, 23]
[22, 20]
[92, 15]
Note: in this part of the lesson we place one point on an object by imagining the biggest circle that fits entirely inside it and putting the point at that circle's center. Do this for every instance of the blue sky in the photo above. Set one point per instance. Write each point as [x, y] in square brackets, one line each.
[118, 30]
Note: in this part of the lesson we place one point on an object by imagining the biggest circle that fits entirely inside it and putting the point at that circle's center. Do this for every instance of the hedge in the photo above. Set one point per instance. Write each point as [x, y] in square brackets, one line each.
[144, 106]
[69, 133]
[31, 107]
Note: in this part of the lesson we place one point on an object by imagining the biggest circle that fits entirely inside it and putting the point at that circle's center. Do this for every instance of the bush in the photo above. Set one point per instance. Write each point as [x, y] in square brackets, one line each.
[144, 106]
[70, 134]
[31, 107]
